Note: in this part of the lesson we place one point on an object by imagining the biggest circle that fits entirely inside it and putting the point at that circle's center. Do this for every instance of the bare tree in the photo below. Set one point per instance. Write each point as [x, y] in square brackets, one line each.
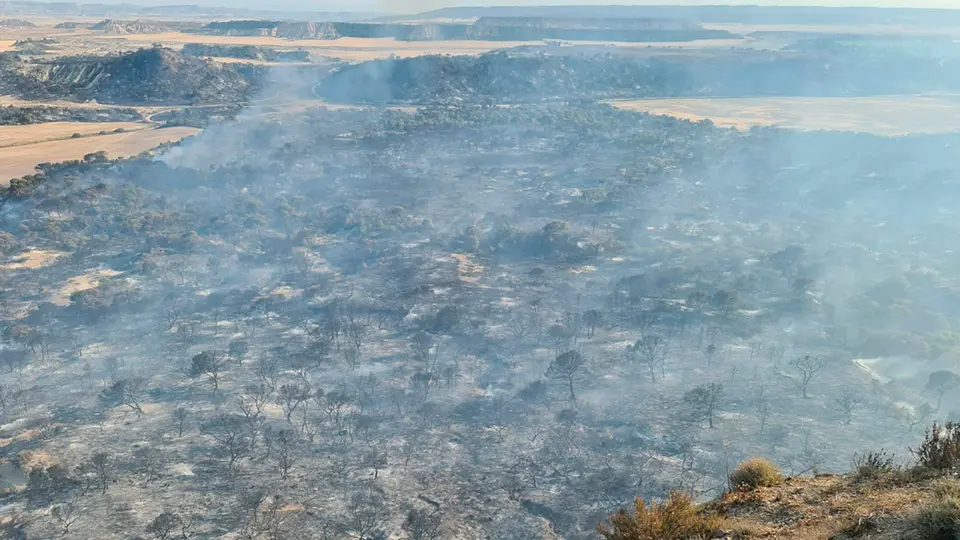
[941, 382]
[268, 370]
[592, 318]
[128, 392]
[210, 364]
[566, 366]
[847, 404]
[101, 465]
[260, 514]
[285, 445]
[802, 371]
[290, 396]
[149, 464]
[762, 409]
[66, 515]
[163, 526]
[238, 349]
[232, 437]
[334, 406]
[351, 355]
[365, 515]
[650, 351]
[703, 401]
[422, 524]
[180, 418]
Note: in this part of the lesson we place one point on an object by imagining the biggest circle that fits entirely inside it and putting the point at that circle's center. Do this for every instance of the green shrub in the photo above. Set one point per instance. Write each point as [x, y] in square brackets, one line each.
[755, 472]
[674, 519]
[873, 464]
[940, 449]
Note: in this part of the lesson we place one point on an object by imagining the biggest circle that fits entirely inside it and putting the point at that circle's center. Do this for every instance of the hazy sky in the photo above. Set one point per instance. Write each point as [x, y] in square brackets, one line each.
[411, 6]
[423, 5]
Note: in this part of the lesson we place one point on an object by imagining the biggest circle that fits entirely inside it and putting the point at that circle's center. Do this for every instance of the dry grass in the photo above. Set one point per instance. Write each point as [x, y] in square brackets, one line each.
[36, 258]
[83, 282]
[21, 160]
[676, 518]
[754, 473]
[361, 49]
[870, 29]
[52, 131]
[888, 115]
[825, 507]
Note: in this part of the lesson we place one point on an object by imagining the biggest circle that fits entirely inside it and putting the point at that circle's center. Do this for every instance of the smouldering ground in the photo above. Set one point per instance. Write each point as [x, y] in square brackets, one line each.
[883, 115]
[51, 131]
[16, 161]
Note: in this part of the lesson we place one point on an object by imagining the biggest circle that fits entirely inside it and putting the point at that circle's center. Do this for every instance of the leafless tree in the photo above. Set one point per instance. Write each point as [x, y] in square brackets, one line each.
[334, 406]
[941, 382]
[285, 445]
[101, 465]
[650, 351]
[260, 514]
[251, 403]
[180, 418]
[365, 515]
[376, 459]
[232, 436]
[290, 396]
[238, 349]
[210, 364]
[163, 526]
[66, 515]
[268, 370]
[149, 464]
[422, 524]
[703, 401]
[802, 371]
[762, 409]
[566, 367]
[847, 404]
[592, 319]
[351, 355]
[519, 325]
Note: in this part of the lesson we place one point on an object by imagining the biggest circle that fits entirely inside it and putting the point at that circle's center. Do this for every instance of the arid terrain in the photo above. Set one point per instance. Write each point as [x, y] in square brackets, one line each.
[18, 158]
[886, 115]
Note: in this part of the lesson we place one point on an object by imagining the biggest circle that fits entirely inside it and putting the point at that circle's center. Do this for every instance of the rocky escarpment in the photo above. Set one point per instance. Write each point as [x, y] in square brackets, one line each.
[157, 76]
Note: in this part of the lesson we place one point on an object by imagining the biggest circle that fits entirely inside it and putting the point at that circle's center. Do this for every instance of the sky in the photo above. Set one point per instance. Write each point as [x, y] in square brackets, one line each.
[414, 6]
[424, 5]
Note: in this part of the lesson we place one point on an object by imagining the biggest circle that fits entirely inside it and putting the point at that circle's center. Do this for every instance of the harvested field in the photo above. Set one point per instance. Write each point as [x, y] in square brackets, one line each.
[18, 161]
[52, 131]
[870, 29]
[886, 115]
[361, 49]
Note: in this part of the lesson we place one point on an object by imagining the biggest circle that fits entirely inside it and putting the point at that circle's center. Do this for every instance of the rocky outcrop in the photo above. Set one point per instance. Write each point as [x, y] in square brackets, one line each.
[156, 76]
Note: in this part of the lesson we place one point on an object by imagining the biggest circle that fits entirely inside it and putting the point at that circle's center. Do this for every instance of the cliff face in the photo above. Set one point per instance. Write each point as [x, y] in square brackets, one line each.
[146, 76]
[488, 28]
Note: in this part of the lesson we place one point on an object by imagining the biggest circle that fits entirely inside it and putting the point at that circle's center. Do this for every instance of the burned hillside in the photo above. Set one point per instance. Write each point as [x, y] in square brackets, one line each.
[147, 76]
[535, 73]
[474, 321]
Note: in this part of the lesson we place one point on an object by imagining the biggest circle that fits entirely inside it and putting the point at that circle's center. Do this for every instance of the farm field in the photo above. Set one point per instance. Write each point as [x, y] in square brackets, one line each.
[52, 131]
[362, 49]
[885, 115]
[16, 161]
